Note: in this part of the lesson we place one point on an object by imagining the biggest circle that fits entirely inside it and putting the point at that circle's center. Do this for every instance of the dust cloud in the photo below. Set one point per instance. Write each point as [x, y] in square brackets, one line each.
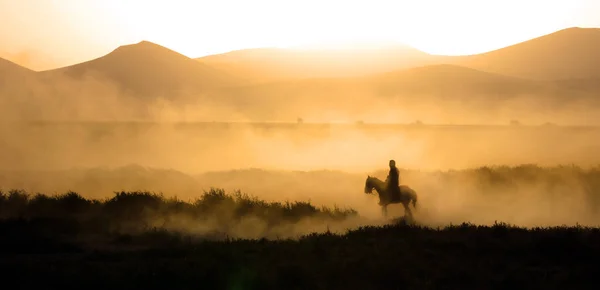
[418, 95]
[90, 136]
[525, 195]
[199, 147]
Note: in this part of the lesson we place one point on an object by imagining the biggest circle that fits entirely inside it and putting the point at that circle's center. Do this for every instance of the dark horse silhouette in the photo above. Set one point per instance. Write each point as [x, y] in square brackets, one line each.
[406, 195]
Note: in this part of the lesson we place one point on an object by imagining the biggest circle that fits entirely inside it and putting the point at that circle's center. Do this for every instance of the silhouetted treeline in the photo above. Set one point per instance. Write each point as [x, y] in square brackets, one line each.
[214, 214]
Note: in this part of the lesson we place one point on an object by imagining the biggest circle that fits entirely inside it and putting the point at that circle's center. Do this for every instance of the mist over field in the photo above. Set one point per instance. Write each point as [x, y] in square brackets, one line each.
[523, 175]
[200, 147]
[507, 135]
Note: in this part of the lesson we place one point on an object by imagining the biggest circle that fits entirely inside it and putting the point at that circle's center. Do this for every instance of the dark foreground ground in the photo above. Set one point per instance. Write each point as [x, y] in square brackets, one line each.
[136, 240]
[390, 257]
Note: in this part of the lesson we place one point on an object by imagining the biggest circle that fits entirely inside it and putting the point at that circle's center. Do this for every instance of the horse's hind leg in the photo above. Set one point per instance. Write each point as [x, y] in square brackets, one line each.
[407, 211]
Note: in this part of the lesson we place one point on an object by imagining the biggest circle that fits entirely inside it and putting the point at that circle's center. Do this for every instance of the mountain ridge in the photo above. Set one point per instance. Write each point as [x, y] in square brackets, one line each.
[569, 53]
[9, 66]
[147, 68]
[283, 63]
[275, 83]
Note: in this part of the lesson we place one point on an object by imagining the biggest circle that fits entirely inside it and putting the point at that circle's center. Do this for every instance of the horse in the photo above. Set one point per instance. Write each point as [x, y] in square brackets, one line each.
[407, 195]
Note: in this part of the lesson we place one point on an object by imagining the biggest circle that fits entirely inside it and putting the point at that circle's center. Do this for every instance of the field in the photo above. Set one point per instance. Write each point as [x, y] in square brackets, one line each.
[238, 206]
[68, 241]
[201, 147]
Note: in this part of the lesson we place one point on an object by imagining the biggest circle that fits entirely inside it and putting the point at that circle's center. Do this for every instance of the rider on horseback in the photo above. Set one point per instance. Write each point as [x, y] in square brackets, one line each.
[393, 182]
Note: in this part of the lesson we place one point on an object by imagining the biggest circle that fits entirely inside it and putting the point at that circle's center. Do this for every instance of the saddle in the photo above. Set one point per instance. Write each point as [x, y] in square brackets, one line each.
[395, 195]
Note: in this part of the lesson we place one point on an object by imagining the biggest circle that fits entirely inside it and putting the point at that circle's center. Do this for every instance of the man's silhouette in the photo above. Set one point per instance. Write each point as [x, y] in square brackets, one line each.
[393, 182]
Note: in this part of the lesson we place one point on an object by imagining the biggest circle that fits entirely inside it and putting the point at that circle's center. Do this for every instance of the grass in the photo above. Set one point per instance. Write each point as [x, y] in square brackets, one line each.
[67, 241]
[133, 212]
[389, 257]
[223, 240]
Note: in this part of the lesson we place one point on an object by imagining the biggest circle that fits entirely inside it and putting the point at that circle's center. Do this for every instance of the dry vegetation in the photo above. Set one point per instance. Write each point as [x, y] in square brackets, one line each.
[296, 227]
[58, 241]
[224, 240]
[527, 195]
[214, 215]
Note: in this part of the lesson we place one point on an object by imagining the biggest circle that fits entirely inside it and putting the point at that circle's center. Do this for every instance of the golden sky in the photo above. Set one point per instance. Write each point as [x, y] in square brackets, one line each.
[43, 34]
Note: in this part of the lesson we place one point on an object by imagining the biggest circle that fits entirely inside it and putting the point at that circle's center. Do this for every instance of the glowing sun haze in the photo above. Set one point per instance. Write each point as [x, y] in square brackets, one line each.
[63, 32]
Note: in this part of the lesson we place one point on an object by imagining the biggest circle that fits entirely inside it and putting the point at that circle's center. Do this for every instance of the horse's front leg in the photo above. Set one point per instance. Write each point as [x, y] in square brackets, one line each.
[384, 210]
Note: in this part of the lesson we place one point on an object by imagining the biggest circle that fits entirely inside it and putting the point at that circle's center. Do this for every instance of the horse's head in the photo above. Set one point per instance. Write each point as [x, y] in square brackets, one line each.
[369, 185]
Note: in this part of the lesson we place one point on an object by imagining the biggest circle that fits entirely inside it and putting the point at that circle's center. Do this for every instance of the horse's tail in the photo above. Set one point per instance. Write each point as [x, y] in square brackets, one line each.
[414, 199]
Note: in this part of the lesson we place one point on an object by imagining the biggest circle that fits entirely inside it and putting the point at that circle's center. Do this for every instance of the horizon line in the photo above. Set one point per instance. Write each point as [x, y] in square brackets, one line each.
[311, 46]
[303, 122]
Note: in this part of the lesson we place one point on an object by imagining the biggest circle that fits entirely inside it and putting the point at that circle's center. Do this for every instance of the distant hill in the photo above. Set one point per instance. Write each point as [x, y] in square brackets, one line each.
[272, 64]
[431, 80]
[16, 83]
[8, 67]
[572, 53]
[450, 89]
[552, 72]
[449, 79]
[122, 85]
[148, 69]
[14, 76]
[467, 84]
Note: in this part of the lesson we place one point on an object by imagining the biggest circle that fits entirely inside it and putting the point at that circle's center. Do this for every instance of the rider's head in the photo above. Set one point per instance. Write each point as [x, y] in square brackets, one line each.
[392, 163]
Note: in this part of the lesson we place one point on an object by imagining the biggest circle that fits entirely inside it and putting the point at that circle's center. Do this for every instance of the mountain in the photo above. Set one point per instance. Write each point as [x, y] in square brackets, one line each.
[272, 64]
[442, 74]
[133, 82]
[448, 88]
[14, 76]
[8, 67]
[552, 71]
[451, 80]
[441, 80]
[147, 69]
[432, 93]
[572, 53]
[17, 83]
